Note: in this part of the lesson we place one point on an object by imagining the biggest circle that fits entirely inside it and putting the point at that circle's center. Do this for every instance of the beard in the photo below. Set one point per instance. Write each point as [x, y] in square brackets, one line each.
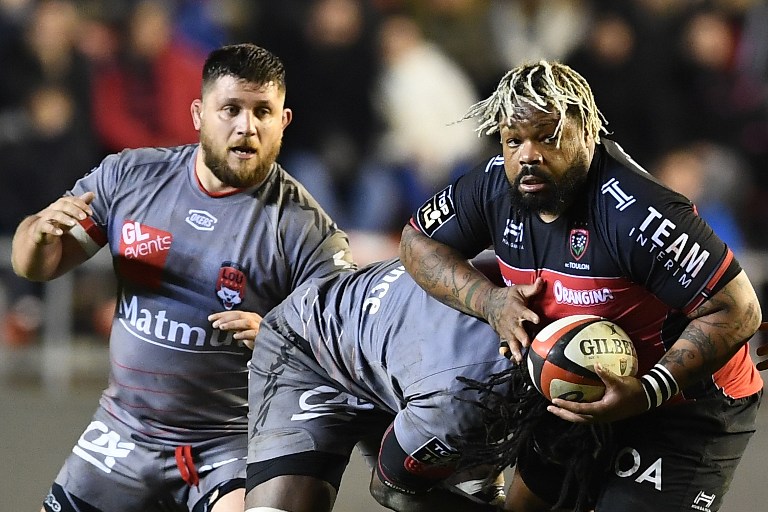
[248, 174]
[557, 196]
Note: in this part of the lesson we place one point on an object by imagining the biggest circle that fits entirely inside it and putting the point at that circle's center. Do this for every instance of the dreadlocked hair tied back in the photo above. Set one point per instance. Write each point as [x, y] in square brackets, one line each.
[543, 85]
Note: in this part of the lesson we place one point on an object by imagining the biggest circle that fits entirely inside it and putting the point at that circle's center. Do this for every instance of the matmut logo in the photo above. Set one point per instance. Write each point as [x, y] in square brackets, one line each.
[143, 252]
[158, 327]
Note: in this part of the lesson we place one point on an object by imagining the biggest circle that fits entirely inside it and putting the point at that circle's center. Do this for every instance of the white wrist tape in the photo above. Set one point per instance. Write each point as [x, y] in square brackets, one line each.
[659, 385]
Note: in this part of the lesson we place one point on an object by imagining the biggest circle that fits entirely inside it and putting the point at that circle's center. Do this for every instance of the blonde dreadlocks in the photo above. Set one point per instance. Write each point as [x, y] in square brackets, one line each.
[543, 85]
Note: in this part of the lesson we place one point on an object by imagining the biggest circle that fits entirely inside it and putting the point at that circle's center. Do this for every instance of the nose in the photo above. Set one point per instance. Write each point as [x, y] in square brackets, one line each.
[246, 123]
[529, 153]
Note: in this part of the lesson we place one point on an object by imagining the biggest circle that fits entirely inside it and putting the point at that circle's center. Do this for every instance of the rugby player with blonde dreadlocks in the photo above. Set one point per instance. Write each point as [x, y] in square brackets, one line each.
[578, 227]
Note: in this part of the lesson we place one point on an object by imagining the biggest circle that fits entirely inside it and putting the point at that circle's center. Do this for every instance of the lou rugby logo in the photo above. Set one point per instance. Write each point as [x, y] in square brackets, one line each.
[230, 285]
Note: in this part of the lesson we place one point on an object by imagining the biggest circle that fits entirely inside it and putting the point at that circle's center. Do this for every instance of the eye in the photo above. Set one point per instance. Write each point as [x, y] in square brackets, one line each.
[513, 143]
[263, 112]
[231, 110]
[552, 139]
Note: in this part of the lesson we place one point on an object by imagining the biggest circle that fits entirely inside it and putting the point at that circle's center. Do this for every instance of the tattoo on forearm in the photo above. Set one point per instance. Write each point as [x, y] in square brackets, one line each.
[717, 328]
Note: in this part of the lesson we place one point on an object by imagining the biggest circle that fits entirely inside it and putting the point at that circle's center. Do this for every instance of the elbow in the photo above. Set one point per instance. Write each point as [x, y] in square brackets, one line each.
[405, 241]
[753, 318]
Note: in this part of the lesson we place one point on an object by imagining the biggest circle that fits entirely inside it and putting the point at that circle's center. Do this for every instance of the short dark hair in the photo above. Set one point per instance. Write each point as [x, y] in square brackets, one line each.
[245, 61]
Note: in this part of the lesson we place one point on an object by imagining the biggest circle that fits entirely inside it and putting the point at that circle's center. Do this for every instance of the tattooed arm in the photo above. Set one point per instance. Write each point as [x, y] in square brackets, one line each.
[450, 278]
[718, 329]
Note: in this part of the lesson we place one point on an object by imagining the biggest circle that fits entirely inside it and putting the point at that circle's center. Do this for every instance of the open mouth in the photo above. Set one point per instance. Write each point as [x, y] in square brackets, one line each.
[243, 151]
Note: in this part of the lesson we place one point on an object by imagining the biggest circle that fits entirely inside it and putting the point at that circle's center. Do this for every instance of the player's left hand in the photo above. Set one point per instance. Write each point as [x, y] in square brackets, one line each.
[762, 350]
[245, 324]
[623, 397]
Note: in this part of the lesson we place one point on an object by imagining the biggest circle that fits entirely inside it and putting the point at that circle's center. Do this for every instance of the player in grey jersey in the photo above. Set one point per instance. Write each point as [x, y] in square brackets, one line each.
[368, 354]
[205, 239]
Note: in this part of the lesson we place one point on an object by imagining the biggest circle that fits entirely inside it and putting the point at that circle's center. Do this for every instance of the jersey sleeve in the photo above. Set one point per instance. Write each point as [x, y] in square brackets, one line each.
[313, 245]
[91, 233]
[661, 242]
[460, 215]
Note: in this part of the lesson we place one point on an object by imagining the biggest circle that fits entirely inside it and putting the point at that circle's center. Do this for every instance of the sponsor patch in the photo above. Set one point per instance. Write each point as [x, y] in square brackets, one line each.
[102, 447]
[201, 220]
[623, 200]
[432, 460]
[143, 252]
[436, 212]
[230, 285]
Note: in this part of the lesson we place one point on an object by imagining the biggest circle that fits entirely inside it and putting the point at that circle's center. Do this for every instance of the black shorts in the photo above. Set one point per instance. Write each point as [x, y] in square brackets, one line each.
[681, 457]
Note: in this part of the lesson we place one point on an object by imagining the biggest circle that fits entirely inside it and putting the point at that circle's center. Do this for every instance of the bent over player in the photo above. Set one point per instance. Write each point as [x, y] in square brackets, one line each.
[362, 355]
[569, 213]
[199, 234]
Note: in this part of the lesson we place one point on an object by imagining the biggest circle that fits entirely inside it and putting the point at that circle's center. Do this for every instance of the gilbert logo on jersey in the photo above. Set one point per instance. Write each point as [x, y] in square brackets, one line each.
[142, 253]
[230, 285]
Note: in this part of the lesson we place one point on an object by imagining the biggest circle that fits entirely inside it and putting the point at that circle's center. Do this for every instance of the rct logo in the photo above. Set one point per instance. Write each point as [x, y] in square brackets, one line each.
[201, 220]
[103, 450]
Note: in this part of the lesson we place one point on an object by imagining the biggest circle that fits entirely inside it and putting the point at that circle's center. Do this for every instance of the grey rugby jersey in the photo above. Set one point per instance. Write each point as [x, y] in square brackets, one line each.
[181, 254]
[384, 340]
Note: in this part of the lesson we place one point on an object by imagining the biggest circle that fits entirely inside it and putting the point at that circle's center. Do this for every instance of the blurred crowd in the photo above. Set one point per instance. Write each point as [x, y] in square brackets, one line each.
[376, 87]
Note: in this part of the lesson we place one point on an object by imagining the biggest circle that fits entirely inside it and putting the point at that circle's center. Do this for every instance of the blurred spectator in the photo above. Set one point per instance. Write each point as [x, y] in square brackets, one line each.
[531, 30]
[716, 180]
[143, 97]
[719, 102]
[333, 65]
[44, 53]
[610, 60]
[753, 47]
[421, 93]
[13, 14]
[50, 155]
[461, 29]
[208, 24]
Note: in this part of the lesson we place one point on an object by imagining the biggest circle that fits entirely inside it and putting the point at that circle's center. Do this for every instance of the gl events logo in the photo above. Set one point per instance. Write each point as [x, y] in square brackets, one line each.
[143, 252]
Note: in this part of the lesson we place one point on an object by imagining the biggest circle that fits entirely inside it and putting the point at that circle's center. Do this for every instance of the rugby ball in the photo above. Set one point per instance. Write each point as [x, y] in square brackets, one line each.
[562, 356]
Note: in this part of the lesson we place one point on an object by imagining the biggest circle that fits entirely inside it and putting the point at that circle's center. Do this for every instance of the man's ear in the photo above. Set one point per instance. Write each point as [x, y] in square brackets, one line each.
[287, 117]
[196, 109]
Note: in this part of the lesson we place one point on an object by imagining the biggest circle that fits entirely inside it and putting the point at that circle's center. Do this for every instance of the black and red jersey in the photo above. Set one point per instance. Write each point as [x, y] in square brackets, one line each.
[629, 249]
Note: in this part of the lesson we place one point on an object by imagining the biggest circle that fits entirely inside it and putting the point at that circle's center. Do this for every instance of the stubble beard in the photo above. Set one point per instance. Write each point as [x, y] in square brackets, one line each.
[248, 175]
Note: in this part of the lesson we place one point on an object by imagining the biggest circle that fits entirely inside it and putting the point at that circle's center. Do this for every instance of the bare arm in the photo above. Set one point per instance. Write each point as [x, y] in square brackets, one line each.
[449, 277]
[43, 247]
[718, 329]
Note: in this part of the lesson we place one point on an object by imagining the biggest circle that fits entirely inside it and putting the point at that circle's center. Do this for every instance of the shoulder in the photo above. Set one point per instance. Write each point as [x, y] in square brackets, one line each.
[148, 161]
[622, 185]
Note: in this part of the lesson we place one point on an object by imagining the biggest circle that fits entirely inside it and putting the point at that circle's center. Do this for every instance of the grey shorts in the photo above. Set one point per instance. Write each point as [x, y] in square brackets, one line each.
[295, 407]
[117, 469]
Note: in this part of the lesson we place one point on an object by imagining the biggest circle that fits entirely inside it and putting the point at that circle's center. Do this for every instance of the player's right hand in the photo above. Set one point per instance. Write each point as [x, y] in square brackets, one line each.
[61, 216]
[507, 311]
